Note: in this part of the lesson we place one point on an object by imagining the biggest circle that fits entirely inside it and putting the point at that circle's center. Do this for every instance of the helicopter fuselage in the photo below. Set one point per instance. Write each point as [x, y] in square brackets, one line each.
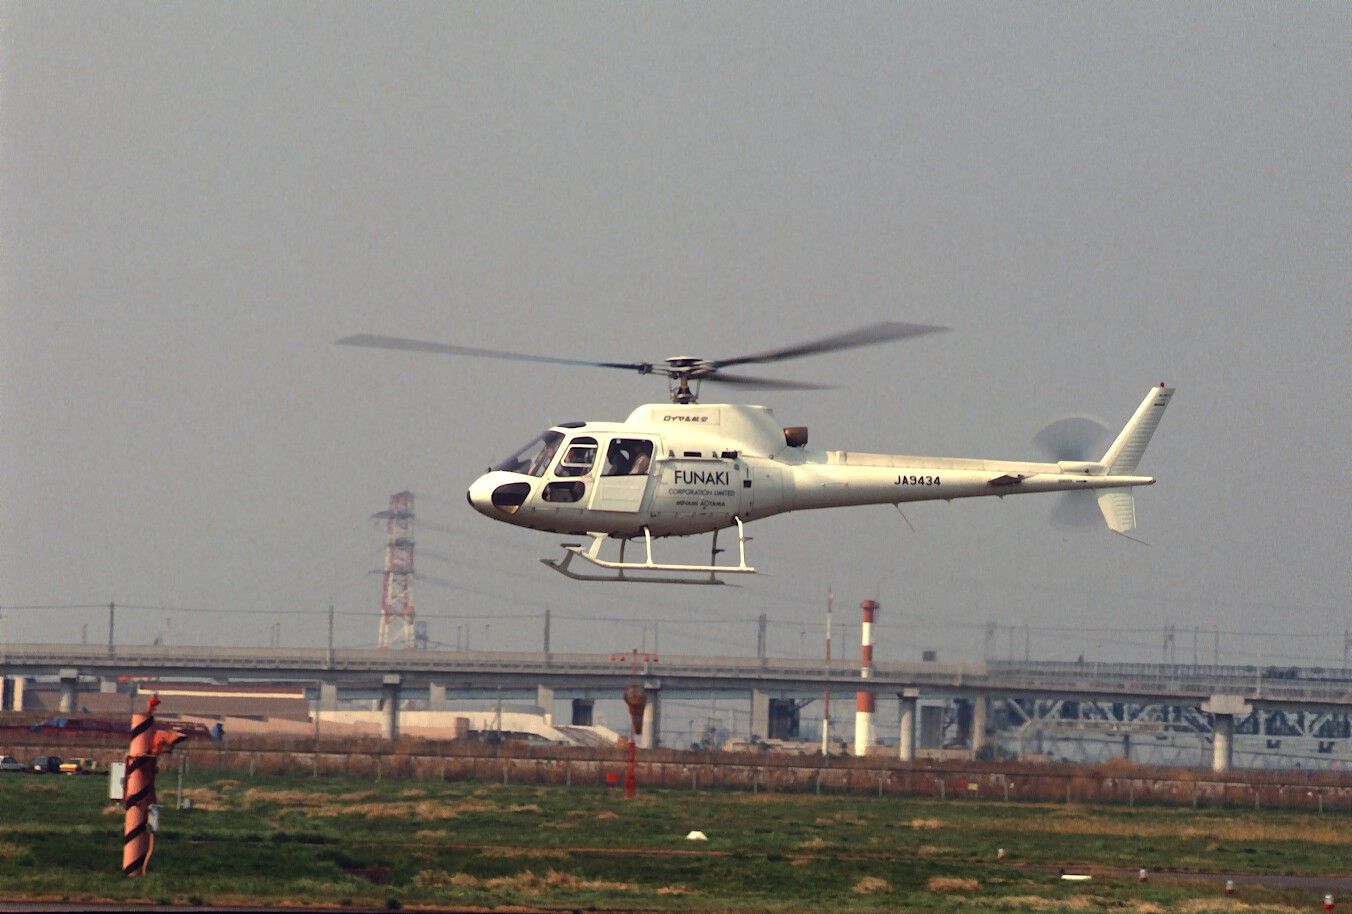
[683, 469]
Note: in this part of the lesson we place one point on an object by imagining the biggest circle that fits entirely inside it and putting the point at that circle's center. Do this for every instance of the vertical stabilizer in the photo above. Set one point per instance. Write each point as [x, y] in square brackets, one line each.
[1119, 510]
[1125, 453]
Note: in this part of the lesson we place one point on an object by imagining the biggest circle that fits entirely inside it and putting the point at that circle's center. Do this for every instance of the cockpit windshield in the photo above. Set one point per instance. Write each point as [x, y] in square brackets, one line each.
[534, 458]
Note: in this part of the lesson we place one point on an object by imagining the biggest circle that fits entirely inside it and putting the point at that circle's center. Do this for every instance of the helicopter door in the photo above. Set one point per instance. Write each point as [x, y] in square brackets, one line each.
[624, 475]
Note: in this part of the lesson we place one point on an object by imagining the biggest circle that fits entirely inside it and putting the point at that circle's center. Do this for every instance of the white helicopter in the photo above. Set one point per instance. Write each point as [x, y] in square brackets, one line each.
[685, 467]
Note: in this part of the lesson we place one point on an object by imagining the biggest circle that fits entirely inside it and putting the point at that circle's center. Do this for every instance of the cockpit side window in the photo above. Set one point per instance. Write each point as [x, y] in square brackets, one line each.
[628, 457]
[534, 457]
[578, 458]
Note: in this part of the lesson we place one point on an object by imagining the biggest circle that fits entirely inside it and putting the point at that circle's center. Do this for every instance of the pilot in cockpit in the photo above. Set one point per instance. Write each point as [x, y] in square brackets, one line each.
[628, 457]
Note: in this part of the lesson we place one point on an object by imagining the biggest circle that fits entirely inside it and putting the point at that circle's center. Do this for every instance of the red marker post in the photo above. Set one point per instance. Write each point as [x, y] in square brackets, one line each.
[637, 699]
[138, 787]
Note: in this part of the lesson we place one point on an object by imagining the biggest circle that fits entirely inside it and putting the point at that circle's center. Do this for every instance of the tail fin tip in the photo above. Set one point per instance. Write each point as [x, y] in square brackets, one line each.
[1124, 454]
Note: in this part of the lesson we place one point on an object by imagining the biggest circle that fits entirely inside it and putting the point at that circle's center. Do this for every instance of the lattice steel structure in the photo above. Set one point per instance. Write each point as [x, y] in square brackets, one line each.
[396, 591]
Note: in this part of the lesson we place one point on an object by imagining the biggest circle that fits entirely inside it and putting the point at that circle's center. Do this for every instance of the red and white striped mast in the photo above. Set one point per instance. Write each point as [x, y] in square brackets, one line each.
[864, 702]
[396, 592]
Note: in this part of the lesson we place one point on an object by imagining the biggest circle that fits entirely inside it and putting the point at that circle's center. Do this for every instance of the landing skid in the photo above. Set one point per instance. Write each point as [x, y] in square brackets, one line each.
[649, 571]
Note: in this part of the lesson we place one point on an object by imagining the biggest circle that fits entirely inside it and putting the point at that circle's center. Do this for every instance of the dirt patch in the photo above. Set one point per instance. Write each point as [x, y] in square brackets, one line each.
[256, 795]
[1023, 903]
[527, 882]
[327, 806]
[675, 891]
[358, 796]
[1194, 905]
[1212, 832]
[926, 823]
[13, 853]
[206, 798]
[952, 885]
[524, 853]
[871, 885]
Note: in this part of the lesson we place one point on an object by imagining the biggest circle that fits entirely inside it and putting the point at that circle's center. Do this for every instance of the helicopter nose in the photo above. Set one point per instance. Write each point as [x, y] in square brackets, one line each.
[497, 494]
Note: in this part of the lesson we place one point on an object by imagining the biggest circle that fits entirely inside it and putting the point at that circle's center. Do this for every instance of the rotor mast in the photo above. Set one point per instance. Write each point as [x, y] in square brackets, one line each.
[680, 369]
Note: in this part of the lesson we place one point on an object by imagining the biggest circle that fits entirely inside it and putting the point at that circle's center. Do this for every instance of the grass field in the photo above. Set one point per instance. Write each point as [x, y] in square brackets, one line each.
[394, 844]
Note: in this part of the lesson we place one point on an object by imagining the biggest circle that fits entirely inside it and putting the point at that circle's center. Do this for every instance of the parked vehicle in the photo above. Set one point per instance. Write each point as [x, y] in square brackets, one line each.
[10, 763]
[45, 764]
[83, 766]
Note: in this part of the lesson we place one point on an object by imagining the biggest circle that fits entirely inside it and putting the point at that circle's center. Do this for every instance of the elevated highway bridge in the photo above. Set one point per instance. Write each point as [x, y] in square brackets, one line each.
[1122, 697]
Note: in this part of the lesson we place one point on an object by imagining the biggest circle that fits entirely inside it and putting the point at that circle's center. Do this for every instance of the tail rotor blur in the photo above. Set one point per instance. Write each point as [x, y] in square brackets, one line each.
[1074, 438]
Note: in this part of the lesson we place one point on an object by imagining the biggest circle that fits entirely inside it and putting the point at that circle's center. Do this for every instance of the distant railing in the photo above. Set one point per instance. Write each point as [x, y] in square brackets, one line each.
[1091, 680]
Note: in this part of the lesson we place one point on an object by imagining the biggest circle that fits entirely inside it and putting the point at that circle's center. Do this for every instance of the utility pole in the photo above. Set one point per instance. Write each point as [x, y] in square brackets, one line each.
[329, 656]
[546, 633]
[826, 693]
[111, 611]
[760, 637]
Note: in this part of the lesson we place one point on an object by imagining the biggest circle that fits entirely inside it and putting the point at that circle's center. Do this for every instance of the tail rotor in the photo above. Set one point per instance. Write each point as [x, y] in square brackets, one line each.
[1074, 438]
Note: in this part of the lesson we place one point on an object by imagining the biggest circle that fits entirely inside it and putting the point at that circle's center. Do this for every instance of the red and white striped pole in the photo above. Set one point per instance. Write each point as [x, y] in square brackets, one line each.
[138, 792]
[864, 702]
[138, 787]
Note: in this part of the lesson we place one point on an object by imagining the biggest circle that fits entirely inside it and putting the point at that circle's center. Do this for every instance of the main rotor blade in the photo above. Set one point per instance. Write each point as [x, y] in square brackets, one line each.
[751, 383]
[394, 342]
[863, 336]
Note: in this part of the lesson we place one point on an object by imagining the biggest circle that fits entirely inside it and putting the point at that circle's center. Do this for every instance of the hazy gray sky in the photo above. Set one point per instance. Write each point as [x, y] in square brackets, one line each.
[199, 199]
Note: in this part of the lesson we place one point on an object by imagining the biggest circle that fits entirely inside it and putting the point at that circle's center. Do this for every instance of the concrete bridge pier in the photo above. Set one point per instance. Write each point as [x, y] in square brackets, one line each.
[328, 696]
[981, 707]
[760, 714]
[544, 697]
[652, 717]
[909, 699]
[70, 691]
[389, 703]
[436, 696]
[1223, 710]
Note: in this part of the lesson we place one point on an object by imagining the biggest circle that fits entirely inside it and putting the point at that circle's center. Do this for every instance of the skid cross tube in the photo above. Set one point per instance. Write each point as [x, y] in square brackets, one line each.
[645, 569]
